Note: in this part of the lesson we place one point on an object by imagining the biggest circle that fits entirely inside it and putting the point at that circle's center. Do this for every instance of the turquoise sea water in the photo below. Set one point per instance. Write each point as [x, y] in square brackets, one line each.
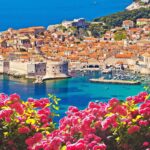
[19, 14]
[77, 91]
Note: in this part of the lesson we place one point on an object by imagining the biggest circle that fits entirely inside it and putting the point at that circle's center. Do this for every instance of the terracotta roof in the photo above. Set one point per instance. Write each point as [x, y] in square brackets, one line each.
[30, 29]
[73, 57]
[127, 22]
[127, 55]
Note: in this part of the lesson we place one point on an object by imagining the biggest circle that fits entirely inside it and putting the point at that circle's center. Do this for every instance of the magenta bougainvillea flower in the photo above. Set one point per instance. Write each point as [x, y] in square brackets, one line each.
[116, 125]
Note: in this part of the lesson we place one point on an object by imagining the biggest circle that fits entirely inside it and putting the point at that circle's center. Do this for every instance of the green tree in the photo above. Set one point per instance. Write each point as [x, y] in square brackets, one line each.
[116, 19]
[120, 35]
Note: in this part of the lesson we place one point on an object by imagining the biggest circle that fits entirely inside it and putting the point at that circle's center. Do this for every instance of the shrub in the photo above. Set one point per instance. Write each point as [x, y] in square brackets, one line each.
[20, 120]
[113, 126]
[116, 125]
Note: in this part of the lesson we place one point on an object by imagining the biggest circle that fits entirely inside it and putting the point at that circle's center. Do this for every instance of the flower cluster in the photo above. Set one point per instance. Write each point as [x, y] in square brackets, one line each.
[114, 125]
[20, 120]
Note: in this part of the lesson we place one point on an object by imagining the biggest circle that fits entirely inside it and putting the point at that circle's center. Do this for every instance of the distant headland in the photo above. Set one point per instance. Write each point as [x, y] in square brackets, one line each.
[137, 4]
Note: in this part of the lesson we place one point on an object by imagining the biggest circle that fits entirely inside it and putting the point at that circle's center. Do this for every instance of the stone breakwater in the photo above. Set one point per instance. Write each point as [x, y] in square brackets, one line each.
[115, 81]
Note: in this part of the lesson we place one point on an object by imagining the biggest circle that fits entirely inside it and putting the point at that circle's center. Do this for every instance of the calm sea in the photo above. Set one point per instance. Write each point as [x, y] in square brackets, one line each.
[18, 14]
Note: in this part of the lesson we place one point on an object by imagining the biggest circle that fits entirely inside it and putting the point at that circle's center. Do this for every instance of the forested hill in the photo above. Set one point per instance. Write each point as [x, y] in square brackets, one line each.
[117, 18]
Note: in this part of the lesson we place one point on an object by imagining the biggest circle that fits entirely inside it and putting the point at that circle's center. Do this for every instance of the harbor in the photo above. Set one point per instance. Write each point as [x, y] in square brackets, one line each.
[70, 90]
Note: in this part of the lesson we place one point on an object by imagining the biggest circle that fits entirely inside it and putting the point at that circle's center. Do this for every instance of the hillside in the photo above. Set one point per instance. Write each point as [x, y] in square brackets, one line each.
[137, 4]
[117, 18]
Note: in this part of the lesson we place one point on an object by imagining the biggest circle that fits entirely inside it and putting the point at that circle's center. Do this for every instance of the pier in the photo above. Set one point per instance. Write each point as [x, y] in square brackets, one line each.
[101, 80]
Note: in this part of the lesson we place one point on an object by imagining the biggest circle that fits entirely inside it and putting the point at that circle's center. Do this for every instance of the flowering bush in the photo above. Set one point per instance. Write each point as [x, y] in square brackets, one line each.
[113, 126]
[24, 123]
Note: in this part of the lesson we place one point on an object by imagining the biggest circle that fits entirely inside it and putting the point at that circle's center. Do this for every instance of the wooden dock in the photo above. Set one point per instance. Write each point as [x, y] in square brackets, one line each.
[101, 80]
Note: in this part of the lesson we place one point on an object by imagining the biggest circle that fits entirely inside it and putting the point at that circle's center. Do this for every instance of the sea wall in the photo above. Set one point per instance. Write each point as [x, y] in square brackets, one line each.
[18, 67]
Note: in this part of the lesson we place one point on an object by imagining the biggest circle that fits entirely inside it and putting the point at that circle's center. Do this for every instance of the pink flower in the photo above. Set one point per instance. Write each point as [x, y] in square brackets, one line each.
[145, 108]
[18, 107]
[3, 99]
[38, 137]
[80, 146]
[76, 146]
[44, 111]
[113, 102]
[3, 96]
[43, 102]
[44, 115]
[71, 147]
[14, 98]
[140, 98]
[23, 130]
[143, 94]
[35, 139]
[146, 144]
[30, 100]
[73, 109]
[120, 110]
[130, 98]
[97, 124]
[109, 121]
[99, 147]
[8, 119]
[6, 114]
[143, 123]
[93, 105]
[133, 129]
[30, 141]
[37, 104]
[134, 113]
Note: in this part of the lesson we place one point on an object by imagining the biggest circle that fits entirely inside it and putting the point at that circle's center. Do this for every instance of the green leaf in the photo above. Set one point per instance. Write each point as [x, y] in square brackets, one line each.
[55, 101]
[55, 107]
[148, 97]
